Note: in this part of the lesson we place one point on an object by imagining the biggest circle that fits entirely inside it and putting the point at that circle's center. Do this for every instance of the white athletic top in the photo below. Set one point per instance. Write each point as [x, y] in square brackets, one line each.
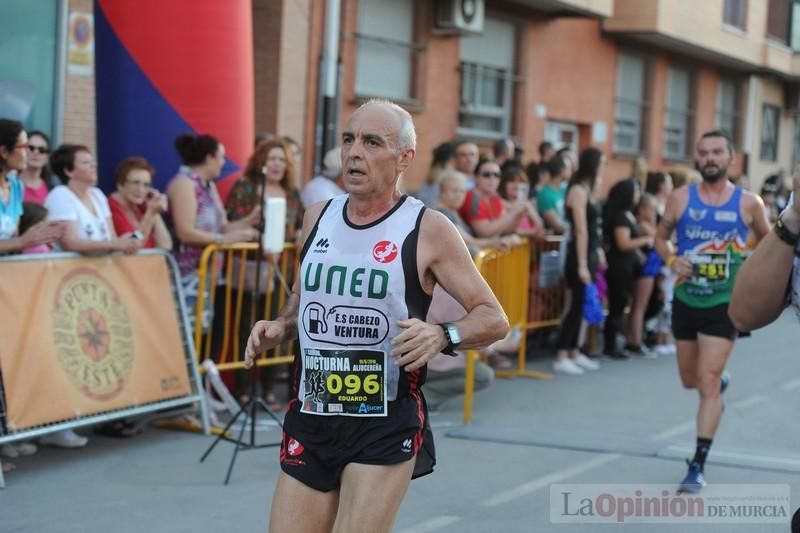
[356, 283]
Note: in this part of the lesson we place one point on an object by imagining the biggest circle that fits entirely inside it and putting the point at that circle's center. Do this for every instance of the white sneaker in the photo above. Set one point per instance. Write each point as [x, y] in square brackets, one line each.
[566, 366]
[64, 439]
[665, 349]
[585, 362]
[9, 450]
[25, 448]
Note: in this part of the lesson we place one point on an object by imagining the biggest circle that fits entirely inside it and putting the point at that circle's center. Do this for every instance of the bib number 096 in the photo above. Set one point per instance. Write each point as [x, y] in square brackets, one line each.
[353, 384]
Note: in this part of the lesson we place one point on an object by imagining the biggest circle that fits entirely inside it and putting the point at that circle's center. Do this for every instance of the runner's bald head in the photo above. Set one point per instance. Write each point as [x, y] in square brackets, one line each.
[405, 137]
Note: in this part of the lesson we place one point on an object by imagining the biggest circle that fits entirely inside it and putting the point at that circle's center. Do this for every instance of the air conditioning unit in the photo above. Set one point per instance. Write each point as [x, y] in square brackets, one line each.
[458, 17]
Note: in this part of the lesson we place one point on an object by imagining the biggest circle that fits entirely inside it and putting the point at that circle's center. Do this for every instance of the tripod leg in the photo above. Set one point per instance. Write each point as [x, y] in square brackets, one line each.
[267, 410]
[236, 451]
[224, 432]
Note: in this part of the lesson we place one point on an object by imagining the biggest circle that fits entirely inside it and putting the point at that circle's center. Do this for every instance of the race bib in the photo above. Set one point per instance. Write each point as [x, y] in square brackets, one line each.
[344, 382]
[710, 267]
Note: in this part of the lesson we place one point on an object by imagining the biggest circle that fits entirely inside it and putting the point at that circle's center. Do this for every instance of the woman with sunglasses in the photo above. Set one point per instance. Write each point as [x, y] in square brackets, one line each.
[36, 176]
[137, 206]
[483, 208]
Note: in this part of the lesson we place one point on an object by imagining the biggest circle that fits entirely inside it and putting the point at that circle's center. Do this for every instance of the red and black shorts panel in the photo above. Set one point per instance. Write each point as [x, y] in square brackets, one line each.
[316, 449]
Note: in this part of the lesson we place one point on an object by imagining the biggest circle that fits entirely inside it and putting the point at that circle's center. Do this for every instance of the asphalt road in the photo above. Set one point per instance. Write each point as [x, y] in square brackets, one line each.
[629, 423]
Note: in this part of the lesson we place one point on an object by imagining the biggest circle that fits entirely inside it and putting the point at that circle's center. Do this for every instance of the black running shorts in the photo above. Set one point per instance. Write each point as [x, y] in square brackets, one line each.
[315, 449]
[688, 321]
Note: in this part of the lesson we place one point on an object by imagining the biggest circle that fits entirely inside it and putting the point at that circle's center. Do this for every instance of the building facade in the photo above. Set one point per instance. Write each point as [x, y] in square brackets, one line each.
[632, 77]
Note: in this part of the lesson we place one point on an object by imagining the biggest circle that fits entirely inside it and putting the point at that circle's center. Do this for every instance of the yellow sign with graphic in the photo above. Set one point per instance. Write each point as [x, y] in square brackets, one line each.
[82, 336]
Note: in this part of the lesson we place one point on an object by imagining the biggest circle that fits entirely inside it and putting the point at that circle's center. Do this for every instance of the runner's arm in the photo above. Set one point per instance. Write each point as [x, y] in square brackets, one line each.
[443, 258]
[760, 224]
[759, 294]
[676, 204]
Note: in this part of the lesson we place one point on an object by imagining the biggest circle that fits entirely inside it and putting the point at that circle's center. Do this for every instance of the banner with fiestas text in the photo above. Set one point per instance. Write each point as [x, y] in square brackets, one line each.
[80, 336]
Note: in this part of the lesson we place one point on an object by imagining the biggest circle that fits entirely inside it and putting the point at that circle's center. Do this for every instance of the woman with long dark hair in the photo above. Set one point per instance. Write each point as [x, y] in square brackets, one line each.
[583, 259]
[624, 243]
[36, 176]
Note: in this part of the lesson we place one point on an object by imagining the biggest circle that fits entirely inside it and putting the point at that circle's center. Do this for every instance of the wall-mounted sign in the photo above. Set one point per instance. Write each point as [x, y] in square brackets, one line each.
[81, 44]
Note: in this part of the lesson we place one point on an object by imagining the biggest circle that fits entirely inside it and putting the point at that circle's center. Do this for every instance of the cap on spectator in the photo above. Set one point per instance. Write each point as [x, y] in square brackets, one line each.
[332, 163]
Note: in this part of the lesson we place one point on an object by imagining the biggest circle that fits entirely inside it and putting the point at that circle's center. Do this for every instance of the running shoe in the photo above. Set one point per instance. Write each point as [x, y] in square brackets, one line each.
[724, 381]
[566, 366]
[586, 362]
[694, 480]
[638, 351]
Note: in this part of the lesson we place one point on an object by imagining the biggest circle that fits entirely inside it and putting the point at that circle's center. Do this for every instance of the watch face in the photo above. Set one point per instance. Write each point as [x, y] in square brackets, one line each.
[454, 334]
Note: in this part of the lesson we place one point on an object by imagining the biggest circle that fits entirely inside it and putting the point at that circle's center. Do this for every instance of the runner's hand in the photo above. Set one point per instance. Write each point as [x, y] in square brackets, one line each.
[682, 267]
[265, 335]
[418, 343]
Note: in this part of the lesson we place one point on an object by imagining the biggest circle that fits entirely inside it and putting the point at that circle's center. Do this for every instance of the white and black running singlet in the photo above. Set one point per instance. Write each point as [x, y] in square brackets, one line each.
[356, 283]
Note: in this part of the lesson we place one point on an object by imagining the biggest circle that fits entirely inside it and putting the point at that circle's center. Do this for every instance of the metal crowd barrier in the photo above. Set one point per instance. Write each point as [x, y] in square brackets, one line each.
[97, 332]
[546, 302]
[234, 265]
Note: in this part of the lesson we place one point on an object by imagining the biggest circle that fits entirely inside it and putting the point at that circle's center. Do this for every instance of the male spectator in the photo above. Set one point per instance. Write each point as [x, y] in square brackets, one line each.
[546, 152]
[550, 200]
[503, 152]
[328, 184]
[712, 221]
[466, 160]
[349, 452]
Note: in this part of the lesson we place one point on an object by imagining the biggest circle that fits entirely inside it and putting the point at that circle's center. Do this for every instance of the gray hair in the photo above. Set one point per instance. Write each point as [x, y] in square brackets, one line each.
[450, 175]
[407, 138]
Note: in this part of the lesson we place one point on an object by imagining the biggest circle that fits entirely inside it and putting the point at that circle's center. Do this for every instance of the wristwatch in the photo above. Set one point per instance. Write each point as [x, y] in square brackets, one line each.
[787, 236]
[453, 337]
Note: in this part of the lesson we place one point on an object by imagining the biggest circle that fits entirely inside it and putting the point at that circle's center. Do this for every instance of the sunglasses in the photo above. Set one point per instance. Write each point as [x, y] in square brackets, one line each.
[40, 149]
[487, 174]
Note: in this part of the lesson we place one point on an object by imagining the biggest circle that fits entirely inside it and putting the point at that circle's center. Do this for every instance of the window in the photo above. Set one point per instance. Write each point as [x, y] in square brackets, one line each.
[796, 154]
[27, 64]
[794, 31]
[679, 114]
[728, 116]
[778, 20]
[630, 104]
[487, 78]
[734, 13]
[385, 37]
[769, 132]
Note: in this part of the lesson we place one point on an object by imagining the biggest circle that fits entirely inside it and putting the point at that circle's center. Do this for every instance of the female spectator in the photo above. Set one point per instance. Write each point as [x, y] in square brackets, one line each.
[659, 184]
[13, 158]
[550, 200]
[583, 259]
[443, 159]
[36, 175]
[271, 166]
[199, 219]
[624, 243]
[514, 189]
[136, 206]
[82, 206]
[483, 208]
[197, 211]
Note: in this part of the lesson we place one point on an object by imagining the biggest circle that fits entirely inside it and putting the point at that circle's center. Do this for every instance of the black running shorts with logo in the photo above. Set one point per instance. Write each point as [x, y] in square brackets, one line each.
[688, 321]
[315, 448]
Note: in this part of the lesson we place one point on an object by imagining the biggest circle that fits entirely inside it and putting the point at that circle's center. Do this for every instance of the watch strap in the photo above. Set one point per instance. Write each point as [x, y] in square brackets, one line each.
[785, 234]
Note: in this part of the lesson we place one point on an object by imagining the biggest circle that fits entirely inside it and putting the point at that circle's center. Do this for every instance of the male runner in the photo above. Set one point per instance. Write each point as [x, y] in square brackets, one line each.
[712, 220]
[356, 429]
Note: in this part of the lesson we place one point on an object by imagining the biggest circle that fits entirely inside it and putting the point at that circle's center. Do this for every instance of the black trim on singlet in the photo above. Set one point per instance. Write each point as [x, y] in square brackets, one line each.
[313, 234]
[417, 300]
[374, 222]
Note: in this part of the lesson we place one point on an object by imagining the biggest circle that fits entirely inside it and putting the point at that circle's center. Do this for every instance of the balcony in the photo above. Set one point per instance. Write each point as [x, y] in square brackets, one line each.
[590, 8]
[695, 28]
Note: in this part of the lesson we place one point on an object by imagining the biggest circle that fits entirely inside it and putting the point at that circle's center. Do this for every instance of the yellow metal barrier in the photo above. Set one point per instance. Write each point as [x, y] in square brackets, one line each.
[508, 273]
[546, 304]
[238, 269]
